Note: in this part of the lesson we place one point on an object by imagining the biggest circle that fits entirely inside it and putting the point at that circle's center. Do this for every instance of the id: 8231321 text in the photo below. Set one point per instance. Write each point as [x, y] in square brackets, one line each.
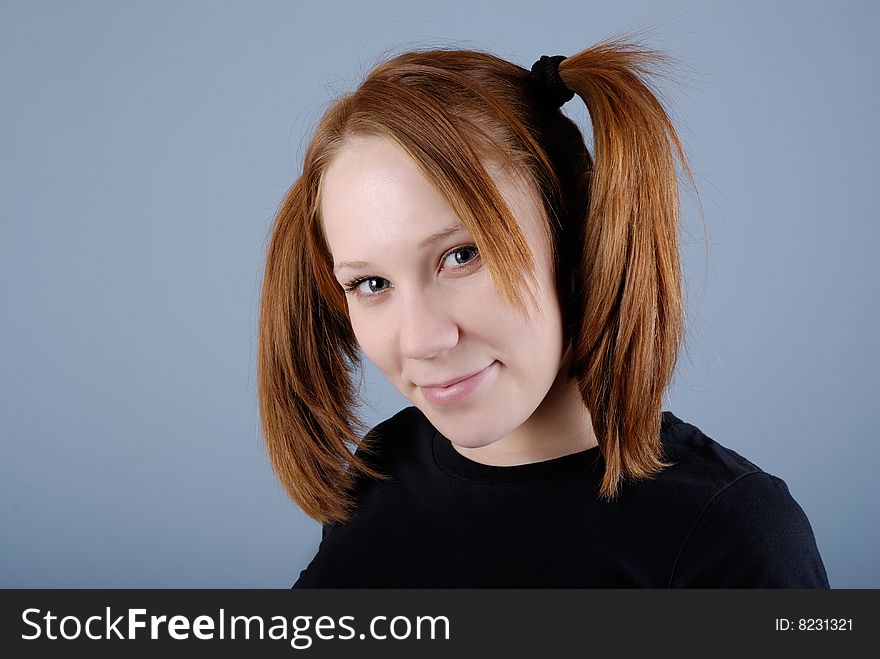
[814, 624]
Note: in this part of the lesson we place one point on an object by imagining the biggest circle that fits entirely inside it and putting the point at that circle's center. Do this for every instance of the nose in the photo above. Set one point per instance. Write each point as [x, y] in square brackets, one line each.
[426, 328]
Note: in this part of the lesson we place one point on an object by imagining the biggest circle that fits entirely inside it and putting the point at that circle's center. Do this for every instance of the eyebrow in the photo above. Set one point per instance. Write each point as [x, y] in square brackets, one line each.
[433, 238]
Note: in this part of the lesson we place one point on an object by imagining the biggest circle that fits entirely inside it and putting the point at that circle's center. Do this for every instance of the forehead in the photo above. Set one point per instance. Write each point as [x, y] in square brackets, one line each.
[373, 186]
[373, 194]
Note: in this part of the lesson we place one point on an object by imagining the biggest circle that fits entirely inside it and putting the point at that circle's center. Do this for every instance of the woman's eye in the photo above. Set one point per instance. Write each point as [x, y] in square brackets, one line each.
[367, 286]
[461, 256]
[372, 285]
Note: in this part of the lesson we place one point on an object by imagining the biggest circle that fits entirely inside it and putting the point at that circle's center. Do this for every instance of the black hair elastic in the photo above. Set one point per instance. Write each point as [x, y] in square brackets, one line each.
[545, 73]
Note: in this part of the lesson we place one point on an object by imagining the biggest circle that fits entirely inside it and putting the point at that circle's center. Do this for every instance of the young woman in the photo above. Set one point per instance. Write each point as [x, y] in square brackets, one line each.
[525, 296]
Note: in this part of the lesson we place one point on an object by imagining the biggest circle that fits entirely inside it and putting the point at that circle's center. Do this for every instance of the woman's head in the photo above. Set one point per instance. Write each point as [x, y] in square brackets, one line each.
[555, 251]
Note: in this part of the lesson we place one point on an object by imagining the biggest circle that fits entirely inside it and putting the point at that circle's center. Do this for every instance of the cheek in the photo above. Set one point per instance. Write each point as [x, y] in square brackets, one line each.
[493, 316]
[372, 336]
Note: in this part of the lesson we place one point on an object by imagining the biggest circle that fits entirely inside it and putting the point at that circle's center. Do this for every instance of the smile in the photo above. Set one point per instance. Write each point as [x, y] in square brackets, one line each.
[458, 390]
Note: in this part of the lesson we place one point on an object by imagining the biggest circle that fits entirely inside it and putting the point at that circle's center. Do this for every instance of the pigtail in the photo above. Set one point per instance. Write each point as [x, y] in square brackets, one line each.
[627, 277]
[306, 356]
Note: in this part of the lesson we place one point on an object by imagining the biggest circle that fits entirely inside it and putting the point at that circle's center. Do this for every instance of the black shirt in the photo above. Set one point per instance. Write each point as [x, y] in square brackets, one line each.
[713, 519]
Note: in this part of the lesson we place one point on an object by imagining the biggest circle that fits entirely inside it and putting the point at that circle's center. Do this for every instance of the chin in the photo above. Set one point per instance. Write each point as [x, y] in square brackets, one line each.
[462, 430]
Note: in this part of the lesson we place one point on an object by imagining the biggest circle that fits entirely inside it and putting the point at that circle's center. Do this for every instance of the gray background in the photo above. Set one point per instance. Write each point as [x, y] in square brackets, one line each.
[145, 147]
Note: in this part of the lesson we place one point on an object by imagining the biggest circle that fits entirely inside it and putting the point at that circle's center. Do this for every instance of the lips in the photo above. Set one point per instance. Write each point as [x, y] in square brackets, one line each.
[457, 389]
[452, 381]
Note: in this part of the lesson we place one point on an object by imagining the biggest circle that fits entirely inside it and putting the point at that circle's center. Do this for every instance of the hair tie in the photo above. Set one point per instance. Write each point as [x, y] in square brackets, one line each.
[545, 72]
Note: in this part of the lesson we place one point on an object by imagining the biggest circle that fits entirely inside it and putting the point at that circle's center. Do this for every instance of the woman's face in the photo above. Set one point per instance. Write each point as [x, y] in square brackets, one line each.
[423, 306]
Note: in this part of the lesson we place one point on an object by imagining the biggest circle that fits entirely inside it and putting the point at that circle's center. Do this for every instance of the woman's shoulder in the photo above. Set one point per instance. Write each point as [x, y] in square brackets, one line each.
[704, 472]
[748, 529]
[700, 469]
[694, 452]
